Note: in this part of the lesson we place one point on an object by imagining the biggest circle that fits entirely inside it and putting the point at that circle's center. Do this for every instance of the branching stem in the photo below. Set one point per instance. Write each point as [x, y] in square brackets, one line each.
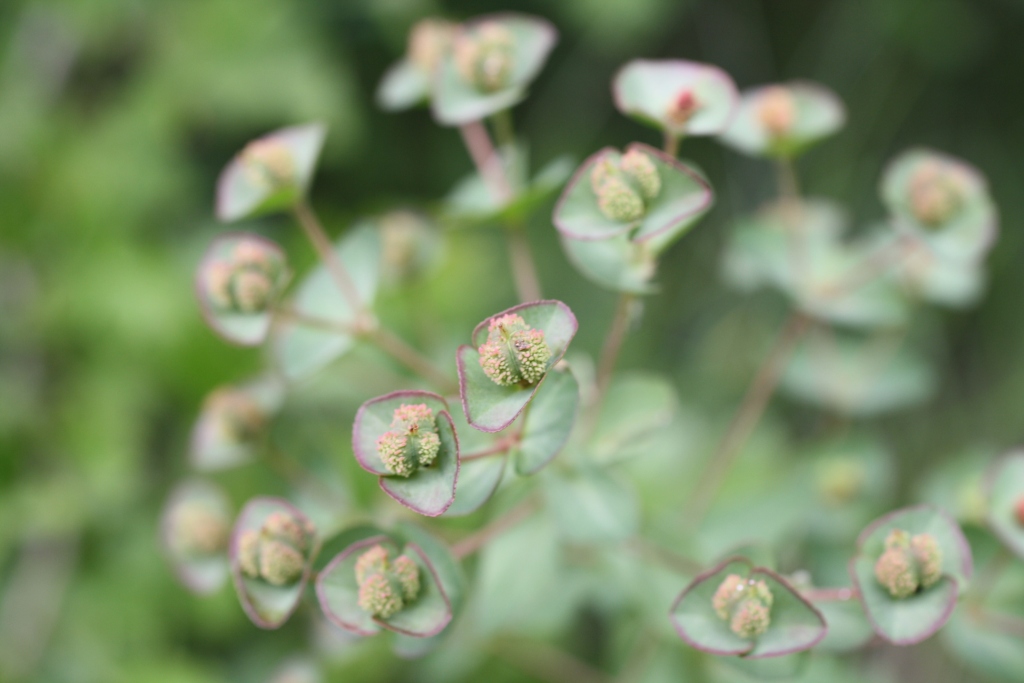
[477, 540]
[393, 345]
[307, 218]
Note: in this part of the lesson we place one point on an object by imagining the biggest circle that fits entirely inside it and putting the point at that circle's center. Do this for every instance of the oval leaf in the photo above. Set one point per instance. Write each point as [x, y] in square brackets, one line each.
[404, 85]
[430, 490]
[200, 572]
[618, 264]
[547, 426]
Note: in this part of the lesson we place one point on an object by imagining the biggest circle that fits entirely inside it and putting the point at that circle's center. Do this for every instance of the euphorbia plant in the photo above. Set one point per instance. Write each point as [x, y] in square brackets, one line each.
[519, 424]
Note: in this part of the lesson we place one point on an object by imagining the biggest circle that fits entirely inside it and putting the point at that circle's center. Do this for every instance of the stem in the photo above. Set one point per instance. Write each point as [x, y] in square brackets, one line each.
[613, 344]
[472, 543]
[499, 447]
[746, 417]
[524, 270]
[671, 560]
[393, 345]
[671, 145]
[504, 129]
[789, 186]
[307, 320]
[315, 232]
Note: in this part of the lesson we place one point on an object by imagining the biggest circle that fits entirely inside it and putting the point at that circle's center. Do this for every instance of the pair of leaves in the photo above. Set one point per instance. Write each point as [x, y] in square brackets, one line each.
[795, 623]
[817, 113]
[912, 619]
[429, 490]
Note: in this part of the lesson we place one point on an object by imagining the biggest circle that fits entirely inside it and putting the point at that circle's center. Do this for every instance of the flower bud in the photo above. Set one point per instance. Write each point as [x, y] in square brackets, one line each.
[240, 418]
[277, 552]
[935, 192]
[1019, 509]
[514, 353]
[198, 529]
[777, 111]
[485, 56]
[840, 480]
[412, 442]
[429, 40]
[386, 587]
[248, 280]
[745, 604]
[283, 527]
[908, 564]
[620, 202]
[640, 168]
[249, 554]
[280, 563]
[268, 164]
[683, 106]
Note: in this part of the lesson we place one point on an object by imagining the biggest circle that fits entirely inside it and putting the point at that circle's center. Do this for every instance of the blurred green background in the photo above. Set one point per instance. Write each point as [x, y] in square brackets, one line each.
[117, 115]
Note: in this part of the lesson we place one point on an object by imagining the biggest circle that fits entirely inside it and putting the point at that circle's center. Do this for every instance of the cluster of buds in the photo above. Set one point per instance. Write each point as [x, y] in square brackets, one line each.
[624, 187]
[840, 480]
[240, 419]
[248, 280]
[935, 192]
[277, 552]
[405, 237]
[268, 164]
[777, 111]
[682, 107]
[386, 586]
[909, 563]
[745, 604]
[514, 353]
[412, 442]
[197, 529]
[429, 41]
[485, 55]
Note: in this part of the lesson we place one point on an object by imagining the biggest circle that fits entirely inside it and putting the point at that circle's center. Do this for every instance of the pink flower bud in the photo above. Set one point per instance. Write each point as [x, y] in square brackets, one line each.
[514, 353]
[777, 111]
[908, 564]
[683, 106]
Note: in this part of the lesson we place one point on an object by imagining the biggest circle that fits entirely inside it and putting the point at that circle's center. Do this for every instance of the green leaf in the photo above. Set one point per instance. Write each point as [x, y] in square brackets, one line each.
[489, 406]
[244, 329]
[857, 377]
[200, 573]
[818, 113]
[300, 350]
[547, 426]
[238, 197]
[695, 619]
[685, 196]
[404, 85]
[478, 480]
[430, 490]
[374, 418]
[267, 606]
[972, 229]
[848, 626]
[647, 89]
[1005, 488]
[980, 644]
[593, 507]
[795, 624]
[431, 612]
[636, 407]
[618, 264]
[449, 571]
[456, 102]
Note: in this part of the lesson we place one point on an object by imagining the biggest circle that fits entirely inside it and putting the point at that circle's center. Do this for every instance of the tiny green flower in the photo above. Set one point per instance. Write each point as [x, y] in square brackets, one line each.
[385, 587]
[908, 564]
[280, 563]
[197, 529]
[619, 201]
[429, 40]
[745, 604]
[247, 281]
[268, 164]
[514, 353]
[412, 442]
[378, 596]
[624, 185]
[276, 553]
[935, 192]
[639, 167]
[408, 575]
[777, 111]
[485, 55]
[240, 419]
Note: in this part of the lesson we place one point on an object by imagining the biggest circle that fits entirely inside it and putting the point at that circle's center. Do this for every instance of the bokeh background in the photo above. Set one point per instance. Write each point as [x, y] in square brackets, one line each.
[117, 115]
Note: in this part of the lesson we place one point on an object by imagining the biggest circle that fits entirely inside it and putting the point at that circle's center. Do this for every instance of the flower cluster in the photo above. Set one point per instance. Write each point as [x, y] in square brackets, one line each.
[385, 587]
[197, 529]
[240, 419]
[429, 41]
[514, 353]
[277, 552]
[935, 192]
[777, 111]
[485, 55]
[681, 108]
[909, 563]
[412, 442]
[268, 164]
[745, 604]
[624, 186]
[248, 280]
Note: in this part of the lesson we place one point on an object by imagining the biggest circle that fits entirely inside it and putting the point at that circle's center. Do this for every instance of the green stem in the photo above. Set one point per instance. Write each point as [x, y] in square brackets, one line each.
[314, 230]
[671, 146]
[613, 344]
[393, 345]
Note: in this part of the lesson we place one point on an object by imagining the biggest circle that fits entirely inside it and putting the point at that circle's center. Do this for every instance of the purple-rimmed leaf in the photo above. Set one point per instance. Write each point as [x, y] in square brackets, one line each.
[429, 490]
[299, 349]
[455, 101]
[194, 531]
[913, 619]
[240, 195]
[232, 422]
[796, 625]
[267, 605]
[971, 227]
[404, 85]
[694, 617]
[618, 264]
[547, 427]
[684, 197]
[1005, 487]
[650, 91]
[338, 594]
[848, 626]
[593, 506]
[489, 406]
[816, 113]
[635, 409]
[244, 329]
[479, 477]
[447, 569]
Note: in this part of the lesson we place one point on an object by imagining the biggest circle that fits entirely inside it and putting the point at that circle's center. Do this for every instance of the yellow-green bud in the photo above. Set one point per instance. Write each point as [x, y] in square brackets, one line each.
[514, 353]
[745, 604]
[412, 442]
[378, 596]
[640, 168]
[280, 563]
[840, 480]
[277, 552]
[908, 564]
[777, 111]
[485, 56]
[248, 280]
[240, 418]
[197, 529]
[623, 186]
[249, 554]
[935, 193]
[268, 164]
[429, 40]
[386, 587]
[408, 575]
[618, 201]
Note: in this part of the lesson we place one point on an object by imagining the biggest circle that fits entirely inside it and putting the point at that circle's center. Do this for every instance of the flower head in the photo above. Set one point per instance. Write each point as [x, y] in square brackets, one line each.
[935, 192]
[198, 529]
[268, 164]
[276, 552]
[683, 106]
[840, 480]
[776, 111]
[623, 186]
[412, 442]
[429, 40]
[745, 604]
[386, 587]
[248, 280]
[485, 55]
[514, 353]
[240, 419]
[908, 564]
